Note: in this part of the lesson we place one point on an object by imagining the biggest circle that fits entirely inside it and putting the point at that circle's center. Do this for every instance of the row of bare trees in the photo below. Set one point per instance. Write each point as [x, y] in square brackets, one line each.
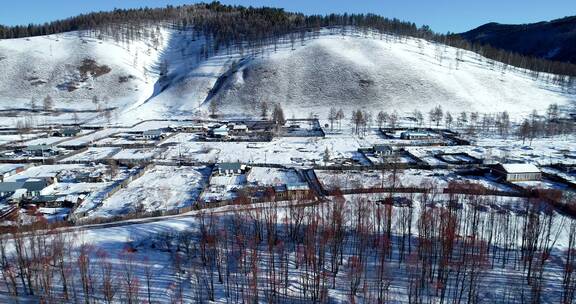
[438, 248]
[552, 123]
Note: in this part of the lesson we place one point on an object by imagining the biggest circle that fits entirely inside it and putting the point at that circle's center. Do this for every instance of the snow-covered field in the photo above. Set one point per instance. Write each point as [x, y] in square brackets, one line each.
[345, 180]
[75, 189]
[44, 171]
[52, 140]
[541, 151]
[285, 150]
[123, 141]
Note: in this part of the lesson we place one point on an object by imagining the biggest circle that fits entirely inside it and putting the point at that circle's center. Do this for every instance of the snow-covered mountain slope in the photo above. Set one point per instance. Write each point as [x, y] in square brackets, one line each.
[164, 73]
[184, 95]
[73, 68]
[170, 74]
[383, 75]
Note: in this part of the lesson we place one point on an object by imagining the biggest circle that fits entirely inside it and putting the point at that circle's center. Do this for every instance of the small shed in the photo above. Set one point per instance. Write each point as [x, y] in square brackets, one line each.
[518, 172]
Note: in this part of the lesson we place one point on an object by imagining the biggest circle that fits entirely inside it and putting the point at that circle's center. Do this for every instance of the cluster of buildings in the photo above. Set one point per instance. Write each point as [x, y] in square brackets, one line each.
[222, 131]
[229, 130]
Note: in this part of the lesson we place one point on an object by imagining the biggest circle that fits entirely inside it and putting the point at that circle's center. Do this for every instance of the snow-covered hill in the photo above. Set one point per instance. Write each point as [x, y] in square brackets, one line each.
[384, 75]
[349, 72]
[66, 66]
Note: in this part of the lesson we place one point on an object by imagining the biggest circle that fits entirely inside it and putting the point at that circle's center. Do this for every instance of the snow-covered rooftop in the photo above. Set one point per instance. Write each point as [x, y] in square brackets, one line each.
[520, 168]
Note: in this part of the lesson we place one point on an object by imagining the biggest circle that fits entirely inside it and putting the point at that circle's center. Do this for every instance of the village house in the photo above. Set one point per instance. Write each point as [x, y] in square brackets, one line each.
[231, 168]
[383, 150]
[237, 129]
[192, 128]
[219, 132]
[518, 172]
[59, 201]
[7, 170]
[40, 150]
[281, 192]
[26, 189]
[153, 134]
[298, 190]
[67, 132]
[416, 135]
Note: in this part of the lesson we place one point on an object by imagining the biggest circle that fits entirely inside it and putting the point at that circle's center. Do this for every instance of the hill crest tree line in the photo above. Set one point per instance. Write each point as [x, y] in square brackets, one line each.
[237, 25]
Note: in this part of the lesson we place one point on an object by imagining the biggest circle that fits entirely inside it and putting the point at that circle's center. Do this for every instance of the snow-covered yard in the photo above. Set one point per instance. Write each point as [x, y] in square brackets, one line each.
[223, 187]
[93, 154]
[160, 188]
[90, 138]
[135, 154]
[45, 171]
[264, 176]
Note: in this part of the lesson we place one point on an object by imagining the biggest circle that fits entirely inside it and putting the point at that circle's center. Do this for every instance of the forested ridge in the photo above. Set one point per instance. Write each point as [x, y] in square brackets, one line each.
[553, 40]
[238, 26]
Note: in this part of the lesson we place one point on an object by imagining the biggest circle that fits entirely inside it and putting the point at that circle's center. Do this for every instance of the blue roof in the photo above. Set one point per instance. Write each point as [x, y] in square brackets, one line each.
[230, 166]
[30, 185]
[382, 148]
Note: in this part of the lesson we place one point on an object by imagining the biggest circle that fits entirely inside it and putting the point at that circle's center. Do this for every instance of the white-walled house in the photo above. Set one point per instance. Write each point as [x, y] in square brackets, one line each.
[383, 150]
[230, 168]
[518, 172]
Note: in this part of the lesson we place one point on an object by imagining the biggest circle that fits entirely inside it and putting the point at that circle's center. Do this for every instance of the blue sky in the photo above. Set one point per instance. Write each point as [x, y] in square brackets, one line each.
[441, 15]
